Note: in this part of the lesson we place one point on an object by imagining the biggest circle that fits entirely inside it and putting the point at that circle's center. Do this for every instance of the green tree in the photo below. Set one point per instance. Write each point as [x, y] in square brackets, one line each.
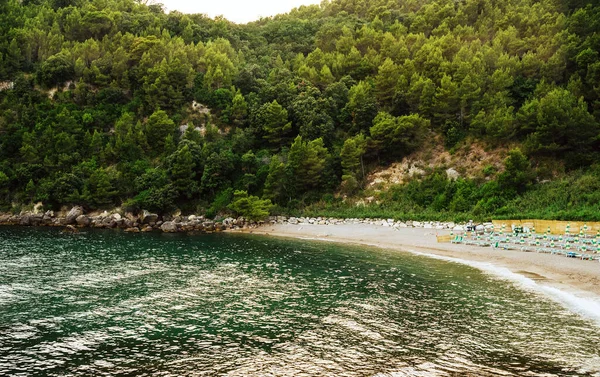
[250, 206]
[157, 129]
[386, 82]
[273, 119]
[306, 164]
[56, 70]
[361, 106]
[352, 154]
[276, 184]
[517, 175]
[351, 157]
[446, 102]
[182, 172]
[398, 136]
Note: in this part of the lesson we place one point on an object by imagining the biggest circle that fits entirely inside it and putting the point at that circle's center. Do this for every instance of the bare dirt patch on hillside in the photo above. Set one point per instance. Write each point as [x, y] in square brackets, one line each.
[470, 160]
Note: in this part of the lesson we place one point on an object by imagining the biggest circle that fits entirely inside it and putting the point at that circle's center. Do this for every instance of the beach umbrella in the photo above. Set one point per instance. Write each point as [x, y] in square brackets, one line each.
[522, 240]
[585, 228]
[568, 229]
[552, 244]
[560, 238]
[598, 249]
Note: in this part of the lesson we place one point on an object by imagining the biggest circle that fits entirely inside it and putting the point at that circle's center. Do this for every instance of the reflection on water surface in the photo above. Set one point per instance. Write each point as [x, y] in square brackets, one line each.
[105, 303]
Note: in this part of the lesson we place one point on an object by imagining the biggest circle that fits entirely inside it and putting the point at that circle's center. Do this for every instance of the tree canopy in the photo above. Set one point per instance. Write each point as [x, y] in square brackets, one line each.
[118, 102]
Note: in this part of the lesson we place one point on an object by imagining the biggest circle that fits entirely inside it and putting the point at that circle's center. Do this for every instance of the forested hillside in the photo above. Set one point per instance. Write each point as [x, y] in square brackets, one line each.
[110, 103]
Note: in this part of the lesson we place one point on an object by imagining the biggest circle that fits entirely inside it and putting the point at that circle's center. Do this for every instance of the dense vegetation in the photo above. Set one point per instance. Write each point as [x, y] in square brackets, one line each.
[115, 103]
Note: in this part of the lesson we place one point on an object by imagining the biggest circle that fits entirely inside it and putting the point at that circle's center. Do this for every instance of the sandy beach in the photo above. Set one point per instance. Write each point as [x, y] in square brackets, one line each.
[577, 277]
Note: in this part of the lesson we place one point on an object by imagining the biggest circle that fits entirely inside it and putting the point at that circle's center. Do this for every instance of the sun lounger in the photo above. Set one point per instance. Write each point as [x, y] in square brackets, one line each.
[457, 239]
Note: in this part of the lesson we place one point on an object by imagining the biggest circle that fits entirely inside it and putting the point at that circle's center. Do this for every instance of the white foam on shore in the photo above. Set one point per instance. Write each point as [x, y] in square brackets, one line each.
[586, 307]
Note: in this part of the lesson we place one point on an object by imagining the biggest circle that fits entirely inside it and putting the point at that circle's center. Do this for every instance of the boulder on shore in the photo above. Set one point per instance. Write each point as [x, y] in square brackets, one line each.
[169, 227]
[73, 214]
[148, 217]
[83, 220]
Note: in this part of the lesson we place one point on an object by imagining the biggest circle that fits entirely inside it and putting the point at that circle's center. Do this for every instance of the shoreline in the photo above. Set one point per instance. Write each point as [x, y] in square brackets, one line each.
[573, 283]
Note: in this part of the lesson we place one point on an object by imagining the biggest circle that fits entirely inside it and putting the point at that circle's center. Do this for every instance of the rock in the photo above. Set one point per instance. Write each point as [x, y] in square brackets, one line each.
[83, 220]
[116, 216]
[293, 220]
[108, 222]
[452, 174]
[70, 229]
[428, 226]
[147, 229]
[131, 217]
[47, 219]
[209, 226]
[25, 220]
[459, 229]
[132, 230]
[169, 227]
[73, 214]
[148, 217]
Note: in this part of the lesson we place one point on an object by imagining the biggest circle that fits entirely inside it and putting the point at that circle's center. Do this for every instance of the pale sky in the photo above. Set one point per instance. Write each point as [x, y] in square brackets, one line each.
[240, 11]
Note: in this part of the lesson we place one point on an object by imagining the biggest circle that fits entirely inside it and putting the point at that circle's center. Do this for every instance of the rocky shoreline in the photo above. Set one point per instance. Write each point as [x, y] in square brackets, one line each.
[146, 221]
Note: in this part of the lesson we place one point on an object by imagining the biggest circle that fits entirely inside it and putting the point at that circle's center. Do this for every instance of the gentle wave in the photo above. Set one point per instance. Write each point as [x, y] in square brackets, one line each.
[107, 304]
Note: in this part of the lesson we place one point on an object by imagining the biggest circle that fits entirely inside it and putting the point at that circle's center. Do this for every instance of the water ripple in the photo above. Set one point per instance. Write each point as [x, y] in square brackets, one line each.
[105, 304]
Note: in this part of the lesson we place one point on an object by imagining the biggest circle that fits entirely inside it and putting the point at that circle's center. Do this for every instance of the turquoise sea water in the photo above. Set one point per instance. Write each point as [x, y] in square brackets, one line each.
[104, 303]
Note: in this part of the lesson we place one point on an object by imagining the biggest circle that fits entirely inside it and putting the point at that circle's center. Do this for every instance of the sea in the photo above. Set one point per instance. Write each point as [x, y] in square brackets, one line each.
[109, 303]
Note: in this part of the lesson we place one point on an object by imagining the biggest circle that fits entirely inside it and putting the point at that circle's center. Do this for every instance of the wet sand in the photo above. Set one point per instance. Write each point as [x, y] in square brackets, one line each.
[573, 275]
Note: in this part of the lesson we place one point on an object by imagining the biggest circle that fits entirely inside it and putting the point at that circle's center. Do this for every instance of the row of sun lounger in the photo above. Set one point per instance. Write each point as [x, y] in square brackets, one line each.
[573, 247]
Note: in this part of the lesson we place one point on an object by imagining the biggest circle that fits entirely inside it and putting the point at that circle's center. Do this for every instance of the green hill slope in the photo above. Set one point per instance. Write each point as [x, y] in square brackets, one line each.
[115, 103]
